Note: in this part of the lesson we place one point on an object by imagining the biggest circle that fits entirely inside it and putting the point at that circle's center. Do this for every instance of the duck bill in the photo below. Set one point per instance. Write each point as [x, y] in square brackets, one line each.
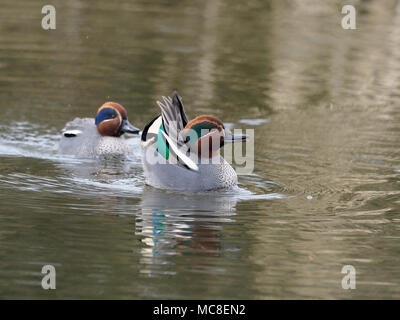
[235, 138]
[127, 127]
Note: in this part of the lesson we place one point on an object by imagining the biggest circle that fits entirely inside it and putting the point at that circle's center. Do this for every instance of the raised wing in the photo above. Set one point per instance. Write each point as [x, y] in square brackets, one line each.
[173, 115]
[174, 120]
[181, 157]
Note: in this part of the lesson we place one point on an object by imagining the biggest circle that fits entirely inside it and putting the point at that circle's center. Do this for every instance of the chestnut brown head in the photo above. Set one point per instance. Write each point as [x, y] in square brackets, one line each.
[205, 135]
[112, 120]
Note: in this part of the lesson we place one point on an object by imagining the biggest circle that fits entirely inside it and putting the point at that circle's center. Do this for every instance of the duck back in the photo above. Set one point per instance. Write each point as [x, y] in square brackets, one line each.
[173, 177]
[81, 138]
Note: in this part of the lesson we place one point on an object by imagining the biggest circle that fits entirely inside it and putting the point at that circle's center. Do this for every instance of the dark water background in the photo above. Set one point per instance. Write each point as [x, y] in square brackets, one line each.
[325, 191]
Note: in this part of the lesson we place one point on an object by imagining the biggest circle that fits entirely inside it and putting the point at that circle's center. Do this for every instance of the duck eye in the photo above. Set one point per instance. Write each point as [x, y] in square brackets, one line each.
[104, 114]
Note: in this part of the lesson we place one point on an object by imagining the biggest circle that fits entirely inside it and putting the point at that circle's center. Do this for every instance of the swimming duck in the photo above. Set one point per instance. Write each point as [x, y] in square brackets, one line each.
[88, 137]
[185, 155]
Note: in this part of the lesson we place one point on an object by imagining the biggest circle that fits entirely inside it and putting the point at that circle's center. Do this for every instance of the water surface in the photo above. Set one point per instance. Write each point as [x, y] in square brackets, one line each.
[324, 104]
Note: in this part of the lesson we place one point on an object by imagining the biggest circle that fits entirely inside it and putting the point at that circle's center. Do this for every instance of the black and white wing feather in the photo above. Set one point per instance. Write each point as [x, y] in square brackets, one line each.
[174, 120]
[173, 115]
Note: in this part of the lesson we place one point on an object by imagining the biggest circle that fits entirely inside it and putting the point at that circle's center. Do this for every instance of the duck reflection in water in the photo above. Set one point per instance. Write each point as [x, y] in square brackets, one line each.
[174, 225]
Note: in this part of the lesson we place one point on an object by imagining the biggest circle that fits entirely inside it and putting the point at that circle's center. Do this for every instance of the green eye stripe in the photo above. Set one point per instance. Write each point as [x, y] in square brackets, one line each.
[105, 114]
[198, 127]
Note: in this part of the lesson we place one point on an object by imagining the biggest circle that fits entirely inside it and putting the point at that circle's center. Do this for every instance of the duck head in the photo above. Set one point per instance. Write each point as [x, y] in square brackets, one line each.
[112, 120]
[205, 135]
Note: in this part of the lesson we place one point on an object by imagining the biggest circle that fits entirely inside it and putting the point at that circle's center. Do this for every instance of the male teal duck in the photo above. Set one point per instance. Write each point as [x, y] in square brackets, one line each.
[185, 155]
[88, 137]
